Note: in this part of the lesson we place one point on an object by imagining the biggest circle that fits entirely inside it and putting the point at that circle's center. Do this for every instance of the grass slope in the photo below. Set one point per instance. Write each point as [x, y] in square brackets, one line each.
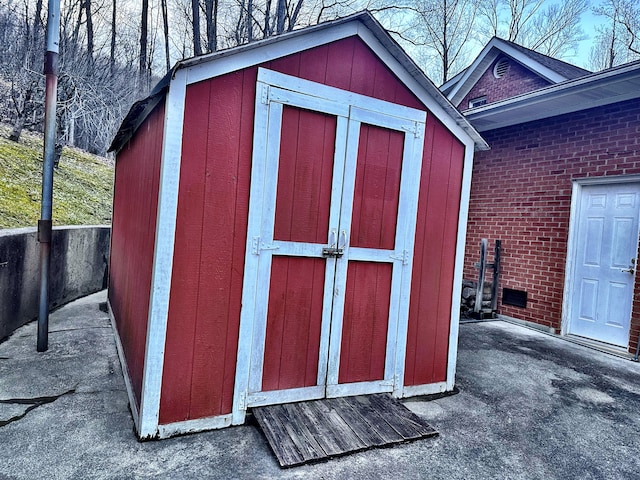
[82, 184]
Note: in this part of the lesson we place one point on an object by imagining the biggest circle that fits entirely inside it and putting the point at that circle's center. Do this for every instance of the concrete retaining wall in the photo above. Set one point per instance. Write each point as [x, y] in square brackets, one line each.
[79, 259]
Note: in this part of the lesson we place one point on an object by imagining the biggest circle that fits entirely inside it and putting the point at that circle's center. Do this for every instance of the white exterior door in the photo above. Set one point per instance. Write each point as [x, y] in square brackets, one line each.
[606, 244]
[304, 252]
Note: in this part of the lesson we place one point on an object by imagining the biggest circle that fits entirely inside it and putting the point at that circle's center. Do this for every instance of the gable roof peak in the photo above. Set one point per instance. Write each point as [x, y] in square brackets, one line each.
[546, 67]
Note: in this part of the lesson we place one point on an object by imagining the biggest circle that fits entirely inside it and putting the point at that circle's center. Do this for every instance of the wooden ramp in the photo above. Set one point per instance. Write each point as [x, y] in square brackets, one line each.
[309, 431]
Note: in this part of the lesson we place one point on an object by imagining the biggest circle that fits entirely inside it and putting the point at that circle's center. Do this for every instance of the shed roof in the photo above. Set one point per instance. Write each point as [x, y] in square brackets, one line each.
[362, 24]
[551, 69]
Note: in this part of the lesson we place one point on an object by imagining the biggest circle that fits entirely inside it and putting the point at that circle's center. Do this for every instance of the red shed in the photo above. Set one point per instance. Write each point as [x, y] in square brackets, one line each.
[289, 223]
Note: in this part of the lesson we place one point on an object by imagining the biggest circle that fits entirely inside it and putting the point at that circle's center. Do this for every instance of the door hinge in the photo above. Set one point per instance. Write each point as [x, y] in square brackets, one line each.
[257, 246]
[242, 401]
[254, 398]
[414, 128]
[403, 257]
[264, 94]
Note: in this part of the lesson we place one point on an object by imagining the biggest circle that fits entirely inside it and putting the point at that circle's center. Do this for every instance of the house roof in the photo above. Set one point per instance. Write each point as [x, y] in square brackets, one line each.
[594, 90]
[551, 69]
[361, 24]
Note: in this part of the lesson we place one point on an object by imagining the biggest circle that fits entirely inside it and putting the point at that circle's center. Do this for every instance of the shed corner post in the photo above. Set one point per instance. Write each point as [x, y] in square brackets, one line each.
[167, 212]
[459, 262]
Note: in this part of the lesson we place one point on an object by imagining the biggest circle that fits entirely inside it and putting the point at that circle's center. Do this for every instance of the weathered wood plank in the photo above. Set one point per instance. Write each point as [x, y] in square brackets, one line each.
[357, 422]
[376, 419]
[403, 420]
[327, 437]
[309, 431]
[342, 430]
[279, 439]
[297, 427]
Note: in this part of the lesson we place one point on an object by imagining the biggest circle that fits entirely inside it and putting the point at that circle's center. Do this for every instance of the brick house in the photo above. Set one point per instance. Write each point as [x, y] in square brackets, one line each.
[560, 187]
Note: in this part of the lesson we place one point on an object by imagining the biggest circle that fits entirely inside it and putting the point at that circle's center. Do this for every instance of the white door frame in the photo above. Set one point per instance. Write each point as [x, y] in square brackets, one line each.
[278, 89]
[576, 197]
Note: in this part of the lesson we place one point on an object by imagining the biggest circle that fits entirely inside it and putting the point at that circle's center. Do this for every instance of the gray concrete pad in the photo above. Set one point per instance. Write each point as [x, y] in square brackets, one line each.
[531, 406]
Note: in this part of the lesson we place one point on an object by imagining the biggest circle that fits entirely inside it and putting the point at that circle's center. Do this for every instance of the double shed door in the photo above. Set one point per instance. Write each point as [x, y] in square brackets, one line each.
[332, 216]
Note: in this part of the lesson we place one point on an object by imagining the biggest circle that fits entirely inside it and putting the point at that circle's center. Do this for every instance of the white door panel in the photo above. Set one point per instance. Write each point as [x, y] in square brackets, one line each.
[605, 256]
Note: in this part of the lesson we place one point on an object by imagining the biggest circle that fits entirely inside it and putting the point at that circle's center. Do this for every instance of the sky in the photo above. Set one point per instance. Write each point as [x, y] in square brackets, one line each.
[589, 22]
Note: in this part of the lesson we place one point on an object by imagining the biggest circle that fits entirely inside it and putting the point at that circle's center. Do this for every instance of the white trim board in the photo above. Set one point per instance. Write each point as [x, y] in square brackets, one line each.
[162, 257]
[192, 426]
[427, 389]
[463, 215]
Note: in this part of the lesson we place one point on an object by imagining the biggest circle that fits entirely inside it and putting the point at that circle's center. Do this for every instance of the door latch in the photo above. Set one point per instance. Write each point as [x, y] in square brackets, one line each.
[332, 252]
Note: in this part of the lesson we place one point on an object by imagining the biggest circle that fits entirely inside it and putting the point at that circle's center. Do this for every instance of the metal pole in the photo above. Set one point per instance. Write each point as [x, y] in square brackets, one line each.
[46, 209]
[483, 266]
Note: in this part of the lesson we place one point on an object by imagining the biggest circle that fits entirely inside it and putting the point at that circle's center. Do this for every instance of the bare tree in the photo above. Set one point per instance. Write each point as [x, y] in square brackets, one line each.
[195, 19]
[112, 51]
[144, 34]
[211, 20]
[445, 28]
[165, 28]
[549, 28]
[617, 41]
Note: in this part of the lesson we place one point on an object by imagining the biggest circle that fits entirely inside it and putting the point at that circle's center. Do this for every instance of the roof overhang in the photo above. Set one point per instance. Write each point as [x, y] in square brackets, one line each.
[458, 87]
[598, 89]
[361, 24]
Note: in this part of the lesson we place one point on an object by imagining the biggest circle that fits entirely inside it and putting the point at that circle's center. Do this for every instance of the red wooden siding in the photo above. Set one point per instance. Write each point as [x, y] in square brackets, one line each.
[377, 188]
[304, 176]
[434, 258]
[204, 309]
[133, 235]
[366, 316]
[294, 318]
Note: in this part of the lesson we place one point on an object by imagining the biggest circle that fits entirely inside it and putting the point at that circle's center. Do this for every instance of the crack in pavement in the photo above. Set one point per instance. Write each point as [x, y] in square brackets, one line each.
[81, 328]
[33, 404]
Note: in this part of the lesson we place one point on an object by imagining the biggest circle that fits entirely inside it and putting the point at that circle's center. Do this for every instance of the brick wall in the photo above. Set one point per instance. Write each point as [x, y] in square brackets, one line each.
[521, 193]
[516, 81]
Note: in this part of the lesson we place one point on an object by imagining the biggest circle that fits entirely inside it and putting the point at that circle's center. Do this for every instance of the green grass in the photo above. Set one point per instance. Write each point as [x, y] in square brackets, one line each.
[82, 184]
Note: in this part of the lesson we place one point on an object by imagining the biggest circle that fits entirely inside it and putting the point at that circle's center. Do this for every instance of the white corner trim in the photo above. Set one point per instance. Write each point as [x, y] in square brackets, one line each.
[163, 256]
[125, 370]
[459, 265]
[193, 426]
[569, 263]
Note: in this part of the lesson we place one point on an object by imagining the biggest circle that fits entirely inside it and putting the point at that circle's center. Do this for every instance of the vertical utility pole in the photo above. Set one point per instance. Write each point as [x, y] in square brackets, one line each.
[46, 209]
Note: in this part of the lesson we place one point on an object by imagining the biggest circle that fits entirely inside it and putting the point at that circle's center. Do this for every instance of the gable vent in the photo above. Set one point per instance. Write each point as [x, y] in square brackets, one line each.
[501, 68]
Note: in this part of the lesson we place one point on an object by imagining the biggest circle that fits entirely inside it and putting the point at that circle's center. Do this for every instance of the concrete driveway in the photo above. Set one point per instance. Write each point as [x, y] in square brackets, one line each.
[530, 406]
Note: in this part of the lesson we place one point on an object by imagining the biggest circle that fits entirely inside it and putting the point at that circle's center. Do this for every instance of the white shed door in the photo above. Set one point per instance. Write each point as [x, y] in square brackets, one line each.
[605, 258]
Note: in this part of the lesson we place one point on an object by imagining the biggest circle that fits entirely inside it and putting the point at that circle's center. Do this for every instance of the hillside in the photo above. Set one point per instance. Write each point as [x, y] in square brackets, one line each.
[82, 184]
